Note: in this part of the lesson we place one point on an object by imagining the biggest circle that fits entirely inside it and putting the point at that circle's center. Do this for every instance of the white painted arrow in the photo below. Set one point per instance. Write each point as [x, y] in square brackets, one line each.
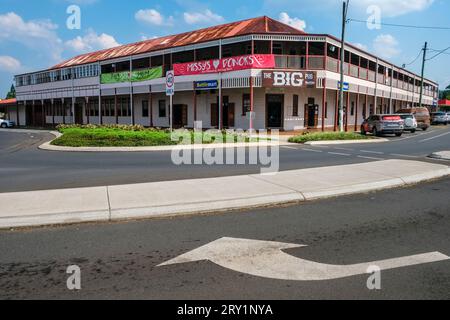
[265, 259]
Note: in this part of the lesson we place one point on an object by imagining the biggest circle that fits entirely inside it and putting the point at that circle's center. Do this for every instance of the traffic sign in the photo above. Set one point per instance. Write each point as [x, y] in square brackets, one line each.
[170, 83]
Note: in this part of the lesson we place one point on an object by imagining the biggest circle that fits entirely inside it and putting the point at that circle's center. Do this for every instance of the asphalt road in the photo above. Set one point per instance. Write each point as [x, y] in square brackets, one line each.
[120, 260]
[23, 167]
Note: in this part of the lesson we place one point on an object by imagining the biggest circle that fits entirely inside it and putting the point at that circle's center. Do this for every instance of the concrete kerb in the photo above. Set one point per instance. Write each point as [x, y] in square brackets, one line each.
[337, 142]
[442, 155]
[185, 197]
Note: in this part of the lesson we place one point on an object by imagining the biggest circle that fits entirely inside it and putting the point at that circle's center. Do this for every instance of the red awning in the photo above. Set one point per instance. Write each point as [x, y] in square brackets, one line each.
[8, 101]
[444, 102]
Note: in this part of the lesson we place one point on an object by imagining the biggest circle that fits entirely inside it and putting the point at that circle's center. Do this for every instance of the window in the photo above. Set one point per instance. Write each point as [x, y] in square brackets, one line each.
[246, 104]
[326, 110]
[162, 108]
[295, 106]
[277, 48]
[145, 109]
[352, 109]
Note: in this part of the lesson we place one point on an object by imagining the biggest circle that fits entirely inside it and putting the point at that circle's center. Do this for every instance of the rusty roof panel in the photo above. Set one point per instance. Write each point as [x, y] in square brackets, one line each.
[259, 25]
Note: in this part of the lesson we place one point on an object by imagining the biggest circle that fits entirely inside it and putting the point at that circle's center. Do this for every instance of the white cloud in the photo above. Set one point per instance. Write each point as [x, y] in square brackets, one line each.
[394, 8]
[205, 17]
[9, 64]
[91, 42]
[386, 46]
[152, 16]
[38, 35]
[293, 22]
[361, 46]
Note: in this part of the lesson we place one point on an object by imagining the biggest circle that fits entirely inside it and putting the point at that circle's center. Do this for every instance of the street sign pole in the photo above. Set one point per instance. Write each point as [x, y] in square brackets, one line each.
[170, 91]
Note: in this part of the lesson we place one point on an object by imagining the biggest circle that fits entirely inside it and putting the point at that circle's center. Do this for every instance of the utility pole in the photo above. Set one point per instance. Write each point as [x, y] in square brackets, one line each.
[341, 85]
[423, 71]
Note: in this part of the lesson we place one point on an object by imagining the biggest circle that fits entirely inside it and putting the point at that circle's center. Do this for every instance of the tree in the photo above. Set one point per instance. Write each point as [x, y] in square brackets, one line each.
[12, 93]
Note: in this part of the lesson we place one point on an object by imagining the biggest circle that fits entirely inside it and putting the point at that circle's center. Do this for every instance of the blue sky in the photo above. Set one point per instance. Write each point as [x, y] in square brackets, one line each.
[34, 35]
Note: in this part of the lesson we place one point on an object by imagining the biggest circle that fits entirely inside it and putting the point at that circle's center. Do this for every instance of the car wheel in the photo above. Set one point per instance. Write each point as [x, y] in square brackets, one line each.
[398, 134]
[4, 125]
[413, 131]
[425, 128]
[375, 132]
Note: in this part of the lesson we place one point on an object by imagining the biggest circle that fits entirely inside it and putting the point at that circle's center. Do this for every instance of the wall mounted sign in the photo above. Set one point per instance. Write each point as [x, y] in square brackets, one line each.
[170, 83]
[254, 61]
[206, 85]
[283, 79]
[346, 86]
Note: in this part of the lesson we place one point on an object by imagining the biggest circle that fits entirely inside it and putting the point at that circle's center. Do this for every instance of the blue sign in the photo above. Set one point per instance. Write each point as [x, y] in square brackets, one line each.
[206, 85]
[346, 86]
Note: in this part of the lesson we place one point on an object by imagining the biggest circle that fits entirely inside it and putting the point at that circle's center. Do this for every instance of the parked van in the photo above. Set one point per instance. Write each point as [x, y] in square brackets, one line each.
[422, 116]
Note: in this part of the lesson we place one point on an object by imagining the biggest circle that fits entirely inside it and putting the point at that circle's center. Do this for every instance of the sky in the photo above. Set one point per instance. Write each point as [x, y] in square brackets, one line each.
[34, 34]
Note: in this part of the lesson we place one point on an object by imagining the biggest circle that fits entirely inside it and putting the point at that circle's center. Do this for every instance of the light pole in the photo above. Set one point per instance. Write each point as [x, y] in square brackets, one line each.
[423, 71]
[341, 84]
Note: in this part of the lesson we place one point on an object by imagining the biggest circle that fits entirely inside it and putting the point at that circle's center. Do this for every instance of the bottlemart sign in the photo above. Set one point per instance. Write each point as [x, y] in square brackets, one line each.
[134, 76]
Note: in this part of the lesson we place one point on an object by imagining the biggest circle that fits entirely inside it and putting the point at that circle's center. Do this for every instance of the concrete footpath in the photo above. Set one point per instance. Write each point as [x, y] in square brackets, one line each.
[443, 155]
[112, 203]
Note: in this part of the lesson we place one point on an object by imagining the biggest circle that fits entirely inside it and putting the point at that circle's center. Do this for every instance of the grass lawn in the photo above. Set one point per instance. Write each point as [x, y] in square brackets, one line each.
[134, 136]
[328, 136]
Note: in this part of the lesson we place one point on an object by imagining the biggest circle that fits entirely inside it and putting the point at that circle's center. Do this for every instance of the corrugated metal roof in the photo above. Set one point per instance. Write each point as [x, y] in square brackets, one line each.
[8, 101]
[261, 25]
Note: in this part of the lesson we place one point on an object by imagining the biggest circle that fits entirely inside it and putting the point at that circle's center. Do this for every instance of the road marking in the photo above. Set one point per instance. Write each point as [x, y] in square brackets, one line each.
[340, 154]
[435, 137]
[267, 260]
[292, 148]
[374, 152]
[370, 158]
[345, 149]
[403, 155]
[312, 150]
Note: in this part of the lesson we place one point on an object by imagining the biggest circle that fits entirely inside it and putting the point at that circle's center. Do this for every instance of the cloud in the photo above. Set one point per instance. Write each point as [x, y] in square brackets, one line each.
[394, 8]
[361, 46]
[92, 42]
[38, 35]
[386, 46]
[293, 22]
[9, 64]
[205, 17]
[389, 8]
[152, 16]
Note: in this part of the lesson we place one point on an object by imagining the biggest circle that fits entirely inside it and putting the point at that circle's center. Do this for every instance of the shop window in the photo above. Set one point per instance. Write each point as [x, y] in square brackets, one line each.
[295, 106]
[145, 109]
[246, 104]
[162, 109]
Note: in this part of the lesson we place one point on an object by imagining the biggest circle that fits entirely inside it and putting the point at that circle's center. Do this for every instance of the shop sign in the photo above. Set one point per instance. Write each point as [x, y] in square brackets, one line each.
[283, 79]
[253, 61]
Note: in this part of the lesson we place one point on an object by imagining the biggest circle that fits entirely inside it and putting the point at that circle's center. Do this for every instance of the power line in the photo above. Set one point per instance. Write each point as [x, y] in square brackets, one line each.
[402, 25]
[438, 54]
[418, 55]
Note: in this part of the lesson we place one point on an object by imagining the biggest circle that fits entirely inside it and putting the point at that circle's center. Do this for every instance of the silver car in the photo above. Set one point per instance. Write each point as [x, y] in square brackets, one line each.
[439, 118]
[410, 122]
[6, 123]
[383, 124]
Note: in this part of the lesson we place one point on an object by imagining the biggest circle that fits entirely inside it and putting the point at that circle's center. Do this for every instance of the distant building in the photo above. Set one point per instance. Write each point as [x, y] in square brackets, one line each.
[266, 71]
[8, 110]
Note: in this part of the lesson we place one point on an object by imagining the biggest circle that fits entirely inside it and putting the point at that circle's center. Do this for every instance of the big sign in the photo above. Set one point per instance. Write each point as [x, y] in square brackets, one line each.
[282, 79]
[253, 61]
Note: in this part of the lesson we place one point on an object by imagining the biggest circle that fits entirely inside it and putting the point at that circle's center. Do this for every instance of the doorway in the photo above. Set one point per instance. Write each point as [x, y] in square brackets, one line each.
[78, 113]
[311, 114]
[228, 113]
[180, 115]
[274, 110]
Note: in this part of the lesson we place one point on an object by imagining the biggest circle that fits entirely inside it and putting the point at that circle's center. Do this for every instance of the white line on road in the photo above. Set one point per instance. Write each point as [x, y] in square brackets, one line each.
[435, 137]
[312, 150]
[292, 148]
[345, 149]
[340, 154]
[374, 152]
[403, 155]
[370, 158]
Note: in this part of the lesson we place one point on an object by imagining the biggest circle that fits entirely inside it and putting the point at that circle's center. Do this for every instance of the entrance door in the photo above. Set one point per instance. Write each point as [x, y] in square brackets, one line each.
[78, 113]
[311, 114]
[274, 110]
[180, 117]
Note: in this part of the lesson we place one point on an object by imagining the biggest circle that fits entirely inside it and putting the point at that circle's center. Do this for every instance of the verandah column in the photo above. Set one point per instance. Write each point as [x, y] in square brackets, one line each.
[88, 109]
[346, 111]
[324, 102]
[194, 102]
[34, 114]
[150, 107]
[116, 111]
[356, 111]
[52, 102]
[336, 115]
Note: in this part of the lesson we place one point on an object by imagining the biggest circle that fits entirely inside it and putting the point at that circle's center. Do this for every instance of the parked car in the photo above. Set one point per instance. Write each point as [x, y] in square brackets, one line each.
[410, 122]
[422, 116]
[6, 123]
[439, 118]
[383, 124]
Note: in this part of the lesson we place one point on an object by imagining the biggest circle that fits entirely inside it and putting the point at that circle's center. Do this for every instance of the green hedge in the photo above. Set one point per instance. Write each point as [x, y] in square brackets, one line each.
[328, 136]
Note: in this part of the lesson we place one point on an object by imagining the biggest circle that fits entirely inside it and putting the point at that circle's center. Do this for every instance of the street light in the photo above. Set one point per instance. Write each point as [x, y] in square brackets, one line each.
[341, 84]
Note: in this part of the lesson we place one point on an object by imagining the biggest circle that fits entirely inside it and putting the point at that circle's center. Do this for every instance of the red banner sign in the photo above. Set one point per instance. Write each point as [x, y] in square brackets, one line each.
[254, 61]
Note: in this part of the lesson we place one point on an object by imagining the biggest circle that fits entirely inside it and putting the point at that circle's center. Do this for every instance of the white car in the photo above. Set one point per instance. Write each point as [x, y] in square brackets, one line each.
[6, 123]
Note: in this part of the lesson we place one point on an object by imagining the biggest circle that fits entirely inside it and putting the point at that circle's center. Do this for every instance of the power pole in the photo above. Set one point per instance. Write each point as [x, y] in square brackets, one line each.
[341, 85]
[423, 71]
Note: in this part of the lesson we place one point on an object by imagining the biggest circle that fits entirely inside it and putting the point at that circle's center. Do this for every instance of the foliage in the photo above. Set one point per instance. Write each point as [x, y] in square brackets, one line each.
[328, 136]
[12, 93]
